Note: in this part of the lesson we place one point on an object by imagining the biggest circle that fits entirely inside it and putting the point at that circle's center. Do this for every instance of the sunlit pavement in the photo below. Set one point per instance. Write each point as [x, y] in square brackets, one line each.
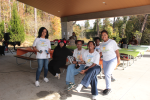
[17, 83]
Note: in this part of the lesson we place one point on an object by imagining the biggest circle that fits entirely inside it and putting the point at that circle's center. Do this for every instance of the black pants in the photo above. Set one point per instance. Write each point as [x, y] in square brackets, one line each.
[53, 67]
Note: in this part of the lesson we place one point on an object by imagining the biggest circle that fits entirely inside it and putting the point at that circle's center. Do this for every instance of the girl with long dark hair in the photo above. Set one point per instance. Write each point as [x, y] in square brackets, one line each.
[42, 46]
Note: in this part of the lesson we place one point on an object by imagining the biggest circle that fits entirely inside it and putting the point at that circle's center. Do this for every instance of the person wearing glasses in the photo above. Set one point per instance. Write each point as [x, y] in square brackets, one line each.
[60, 55]
[76, 66]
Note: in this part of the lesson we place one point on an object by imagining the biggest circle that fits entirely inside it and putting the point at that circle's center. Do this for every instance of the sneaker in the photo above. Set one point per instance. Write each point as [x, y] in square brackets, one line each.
[78, 89]
[71, 86]
[113, 79]
[94, 97]
[106, 91]
[58, 76]
[45, 79]
[37, 83]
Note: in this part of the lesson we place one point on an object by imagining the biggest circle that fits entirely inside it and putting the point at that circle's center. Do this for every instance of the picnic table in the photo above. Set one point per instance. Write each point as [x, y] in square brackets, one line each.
[22, 51]
[129, 53]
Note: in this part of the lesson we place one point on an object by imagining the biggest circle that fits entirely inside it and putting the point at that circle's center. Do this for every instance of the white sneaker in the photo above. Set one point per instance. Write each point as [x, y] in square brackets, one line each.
[79, 87]
[94, 97]
[45, 79]
[37, 83]
[58, 76]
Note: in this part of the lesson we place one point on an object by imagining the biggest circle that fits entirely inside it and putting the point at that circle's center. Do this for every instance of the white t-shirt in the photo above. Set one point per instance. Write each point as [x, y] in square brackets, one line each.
[108, 49]
[77, 53]
[97, 48]
[91, 58]
[42, 44]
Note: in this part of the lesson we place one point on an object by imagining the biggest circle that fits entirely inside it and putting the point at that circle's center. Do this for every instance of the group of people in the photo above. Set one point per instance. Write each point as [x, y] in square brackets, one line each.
[84, 62]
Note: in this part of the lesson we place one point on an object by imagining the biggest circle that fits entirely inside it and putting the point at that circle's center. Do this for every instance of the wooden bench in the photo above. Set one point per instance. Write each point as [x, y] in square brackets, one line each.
[25, 58]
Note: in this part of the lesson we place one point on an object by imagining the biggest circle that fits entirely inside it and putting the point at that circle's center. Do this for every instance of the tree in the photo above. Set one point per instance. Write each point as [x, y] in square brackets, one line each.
[35, 21]
[16, 28]
[77, 30]
[55, 27]
[86, 25]
[1, 30]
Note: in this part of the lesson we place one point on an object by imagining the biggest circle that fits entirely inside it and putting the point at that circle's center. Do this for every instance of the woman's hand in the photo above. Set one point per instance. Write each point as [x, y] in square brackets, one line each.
[79, 62]
[49, 50]
[74, 62]
[80, 58]
[83, 72]
[118, 61]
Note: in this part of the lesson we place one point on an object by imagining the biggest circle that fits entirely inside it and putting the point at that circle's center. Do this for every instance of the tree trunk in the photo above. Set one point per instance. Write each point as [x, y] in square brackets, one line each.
[35, 19]
[114, 25]
[10, 9]
[0, 12]
[142, 28]
[97, 28]
[23, 6]
[26, 8]
[144, 22]
[18, 6]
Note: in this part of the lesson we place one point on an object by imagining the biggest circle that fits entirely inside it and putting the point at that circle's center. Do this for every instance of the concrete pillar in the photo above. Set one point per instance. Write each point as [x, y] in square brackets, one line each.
[66, 29]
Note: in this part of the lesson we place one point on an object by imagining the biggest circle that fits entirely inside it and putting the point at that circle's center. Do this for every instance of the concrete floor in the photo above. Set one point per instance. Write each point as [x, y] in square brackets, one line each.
[17, 83]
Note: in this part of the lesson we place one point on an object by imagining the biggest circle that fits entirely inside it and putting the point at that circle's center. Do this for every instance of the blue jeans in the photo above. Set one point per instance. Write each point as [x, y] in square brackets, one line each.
[109, 67]
[72, 71]
[91, 78]
[41, 63]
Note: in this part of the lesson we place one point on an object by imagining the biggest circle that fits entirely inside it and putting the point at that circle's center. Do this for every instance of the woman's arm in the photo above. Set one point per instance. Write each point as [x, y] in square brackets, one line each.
[118, 56]
[34, 48]
[100, 54]
[74, 62]
[49, 50]
[83, 71]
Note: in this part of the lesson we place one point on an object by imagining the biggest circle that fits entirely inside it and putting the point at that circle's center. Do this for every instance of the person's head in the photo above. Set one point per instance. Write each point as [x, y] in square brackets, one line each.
[91, 45]
[97, 41]
[104, 35]
[79, 43]
[43, 32]
[62, 43]
[73, 34]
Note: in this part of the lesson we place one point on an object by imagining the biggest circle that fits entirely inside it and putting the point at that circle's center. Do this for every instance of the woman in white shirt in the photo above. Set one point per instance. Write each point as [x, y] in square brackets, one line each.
[91, 59]
[111, 57]
[42, 46]
[72, 70]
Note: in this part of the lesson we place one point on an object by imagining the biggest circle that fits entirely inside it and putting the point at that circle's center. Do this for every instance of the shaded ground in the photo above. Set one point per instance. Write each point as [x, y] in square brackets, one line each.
[17, 83]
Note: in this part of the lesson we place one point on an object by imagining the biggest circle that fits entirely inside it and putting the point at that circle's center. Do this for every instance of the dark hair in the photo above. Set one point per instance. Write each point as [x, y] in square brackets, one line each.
[90, 42]
[40, 32]
[79, 41]
[104, 31]
[74, 33]
[96, 38]
[133, 37]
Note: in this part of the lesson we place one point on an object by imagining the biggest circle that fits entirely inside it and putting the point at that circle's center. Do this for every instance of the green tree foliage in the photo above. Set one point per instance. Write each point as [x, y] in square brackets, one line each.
[87, 25]
[16, 28]
[77, 30]
[1, 30]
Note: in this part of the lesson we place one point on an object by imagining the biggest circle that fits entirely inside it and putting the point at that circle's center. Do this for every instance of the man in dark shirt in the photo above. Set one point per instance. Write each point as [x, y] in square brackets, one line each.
[133, 41]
